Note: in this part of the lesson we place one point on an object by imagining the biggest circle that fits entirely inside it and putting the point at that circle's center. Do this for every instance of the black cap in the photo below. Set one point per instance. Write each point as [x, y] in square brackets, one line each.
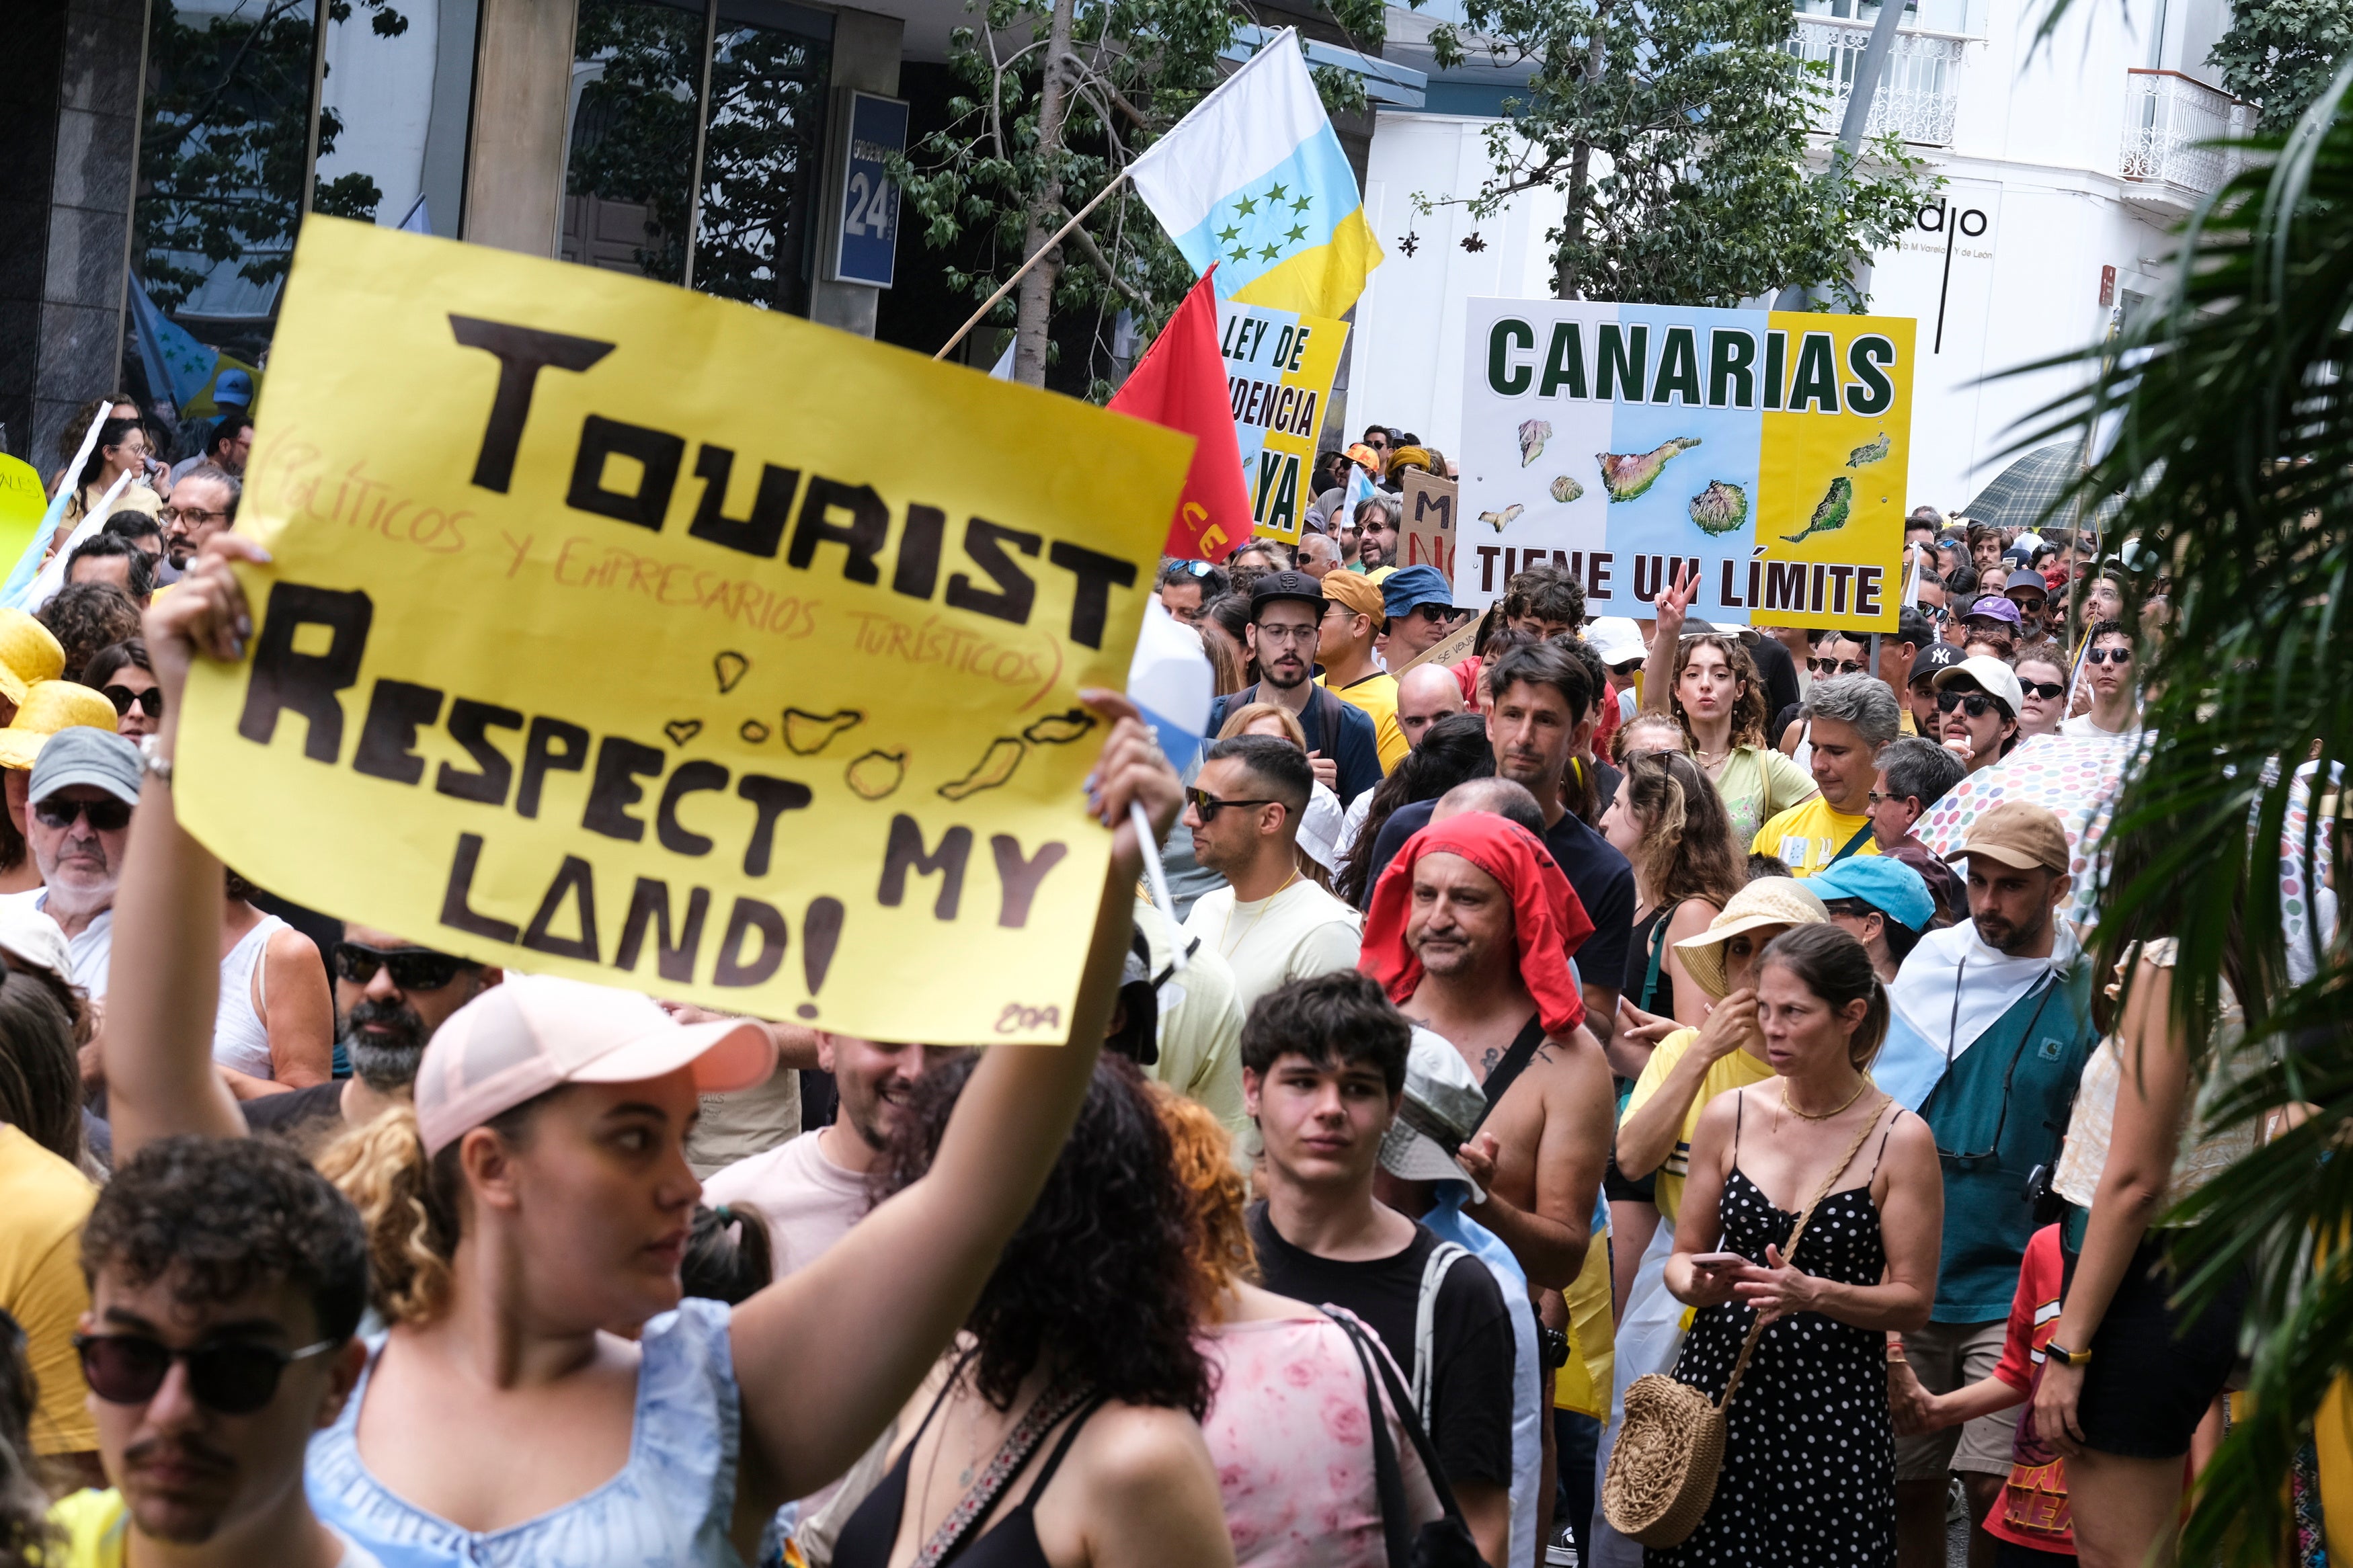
[1284, 586]
[1936, 656]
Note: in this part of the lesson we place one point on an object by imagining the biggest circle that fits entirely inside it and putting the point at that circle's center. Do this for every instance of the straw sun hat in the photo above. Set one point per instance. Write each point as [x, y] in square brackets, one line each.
[47, 706]
[1767, 902]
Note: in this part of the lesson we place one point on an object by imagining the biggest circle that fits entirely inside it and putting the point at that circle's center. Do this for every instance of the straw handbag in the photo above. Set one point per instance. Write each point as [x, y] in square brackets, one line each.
[1662, 1473]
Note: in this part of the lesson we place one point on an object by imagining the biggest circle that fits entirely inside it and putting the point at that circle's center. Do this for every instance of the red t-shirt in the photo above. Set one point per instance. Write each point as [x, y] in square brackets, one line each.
[2033, 1508]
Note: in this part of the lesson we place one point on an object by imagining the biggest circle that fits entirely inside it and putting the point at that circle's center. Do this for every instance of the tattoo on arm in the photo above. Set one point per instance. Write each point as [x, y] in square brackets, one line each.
[1487, 1063]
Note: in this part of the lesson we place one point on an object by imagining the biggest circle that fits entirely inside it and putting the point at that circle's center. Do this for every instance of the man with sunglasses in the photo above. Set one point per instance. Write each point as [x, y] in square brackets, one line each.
[2116, 704]
[1270, 923]
[226, 1280]
[1978, 699]
[78, 823]
[1353, 621]
[1286, 621]
[1188, 586]
[1990, 1026]
[1920, 689]
[1419, 603]
[390, 995]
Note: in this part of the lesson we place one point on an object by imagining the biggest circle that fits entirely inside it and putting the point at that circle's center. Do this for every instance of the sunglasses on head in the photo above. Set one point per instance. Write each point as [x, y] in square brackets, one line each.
[1835, 666]
[1976, 704]
[108, 816]
[235, 1377]
[150, 701]
[2048, 690]
[413, 968]
[1208, 805]
[2110, 655]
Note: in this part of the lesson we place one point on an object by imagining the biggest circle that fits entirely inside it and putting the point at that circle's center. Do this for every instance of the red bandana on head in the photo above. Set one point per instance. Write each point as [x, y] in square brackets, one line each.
[1546, 914]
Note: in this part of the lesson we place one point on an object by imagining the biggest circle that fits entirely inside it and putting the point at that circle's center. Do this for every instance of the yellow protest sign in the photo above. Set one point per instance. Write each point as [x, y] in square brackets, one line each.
[616, 632]
[1279, 366]
[22, 505]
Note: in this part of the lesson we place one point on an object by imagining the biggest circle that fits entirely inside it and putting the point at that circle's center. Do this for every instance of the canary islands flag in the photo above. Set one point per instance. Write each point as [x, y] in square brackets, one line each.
[1254, 180]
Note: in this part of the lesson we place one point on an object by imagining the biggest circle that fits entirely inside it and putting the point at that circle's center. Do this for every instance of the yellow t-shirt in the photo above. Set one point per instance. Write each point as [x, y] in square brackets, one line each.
[96, 1528]
[1809, 837]
[1376, 697]
[1736, 1069]
[41, 1284]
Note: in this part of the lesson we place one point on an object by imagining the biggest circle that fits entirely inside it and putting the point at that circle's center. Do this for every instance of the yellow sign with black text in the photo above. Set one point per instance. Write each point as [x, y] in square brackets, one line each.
[620, 633]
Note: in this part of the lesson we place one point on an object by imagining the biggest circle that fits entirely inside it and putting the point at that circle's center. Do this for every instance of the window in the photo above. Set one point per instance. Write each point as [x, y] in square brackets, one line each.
[696, 128]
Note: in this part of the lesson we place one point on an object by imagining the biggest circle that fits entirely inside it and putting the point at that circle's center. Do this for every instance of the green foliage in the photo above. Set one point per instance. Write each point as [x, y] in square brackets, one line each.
[633, 140]
[1134, 67]
[1680, 133]
[2282, 53]
[222, 147]
[2235, 458]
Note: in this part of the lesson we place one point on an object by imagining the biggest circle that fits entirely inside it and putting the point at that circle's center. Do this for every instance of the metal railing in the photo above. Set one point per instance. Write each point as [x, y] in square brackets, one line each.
[1918, 94]
[2167, 117]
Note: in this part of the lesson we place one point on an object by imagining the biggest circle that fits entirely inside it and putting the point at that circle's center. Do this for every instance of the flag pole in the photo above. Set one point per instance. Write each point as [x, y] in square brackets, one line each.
[1035, 256]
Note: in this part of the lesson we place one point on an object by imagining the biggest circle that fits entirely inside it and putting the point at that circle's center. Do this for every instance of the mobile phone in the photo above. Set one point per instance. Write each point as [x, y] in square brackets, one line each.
[1714, 1260]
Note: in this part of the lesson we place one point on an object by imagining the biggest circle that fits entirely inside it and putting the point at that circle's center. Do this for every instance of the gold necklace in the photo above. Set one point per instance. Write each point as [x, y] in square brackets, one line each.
[1797, 1110]
[1258, 914]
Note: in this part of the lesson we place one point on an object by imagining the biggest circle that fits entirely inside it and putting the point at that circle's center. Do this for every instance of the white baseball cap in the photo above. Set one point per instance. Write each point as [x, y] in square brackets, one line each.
[1617, 639]
[516, 1041]
[1443, 1104]
[1997, 680]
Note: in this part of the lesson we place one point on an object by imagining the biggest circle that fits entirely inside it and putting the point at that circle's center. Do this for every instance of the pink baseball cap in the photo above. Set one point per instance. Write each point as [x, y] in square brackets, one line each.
[534, 1033]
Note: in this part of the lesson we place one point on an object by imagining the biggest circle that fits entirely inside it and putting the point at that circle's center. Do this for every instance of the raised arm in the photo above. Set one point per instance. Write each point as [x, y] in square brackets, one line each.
[166, 964]
[827, 1357]
[1659, 670]
[1652, 1129]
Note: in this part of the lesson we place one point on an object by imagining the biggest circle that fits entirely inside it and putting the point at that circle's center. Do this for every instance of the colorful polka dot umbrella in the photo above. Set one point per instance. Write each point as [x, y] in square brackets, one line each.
[2077, 779]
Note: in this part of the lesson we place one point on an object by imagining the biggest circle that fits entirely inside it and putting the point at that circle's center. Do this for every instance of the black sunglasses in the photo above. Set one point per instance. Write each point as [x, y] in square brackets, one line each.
[1436, 615]
[1977, 704]
[107, 815]
[1208, 805]
[235, 1377]
[150, 701]
[1835, 666]
[2110, 655]
[2045, 689]
[413, 968]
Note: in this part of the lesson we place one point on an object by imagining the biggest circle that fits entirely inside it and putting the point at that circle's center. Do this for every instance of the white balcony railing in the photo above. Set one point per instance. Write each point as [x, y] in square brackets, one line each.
[2168, 116]
[1917, 93]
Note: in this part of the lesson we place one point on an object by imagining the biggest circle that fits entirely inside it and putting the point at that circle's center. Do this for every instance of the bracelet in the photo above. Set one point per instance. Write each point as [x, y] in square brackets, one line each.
[153, 759]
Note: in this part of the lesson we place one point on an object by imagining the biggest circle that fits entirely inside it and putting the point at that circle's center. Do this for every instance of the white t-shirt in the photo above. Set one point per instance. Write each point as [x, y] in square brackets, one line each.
[809, 1202]
[1294, 934]
[91, 950]
[2083, 728]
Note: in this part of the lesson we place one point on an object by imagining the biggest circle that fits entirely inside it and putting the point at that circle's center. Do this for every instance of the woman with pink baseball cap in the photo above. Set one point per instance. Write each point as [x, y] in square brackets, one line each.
[538, 1197]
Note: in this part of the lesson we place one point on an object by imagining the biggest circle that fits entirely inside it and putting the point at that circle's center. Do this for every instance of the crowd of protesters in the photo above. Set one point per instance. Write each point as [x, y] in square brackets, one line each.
[1537, 979]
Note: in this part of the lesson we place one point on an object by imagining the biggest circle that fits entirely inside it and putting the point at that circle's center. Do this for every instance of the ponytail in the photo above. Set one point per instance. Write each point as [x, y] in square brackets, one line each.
[411, 1225]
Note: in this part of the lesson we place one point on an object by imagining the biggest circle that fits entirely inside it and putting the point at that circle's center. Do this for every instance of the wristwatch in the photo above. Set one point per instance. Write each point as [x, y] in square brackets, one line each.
[2066, 1357]
[151, 758]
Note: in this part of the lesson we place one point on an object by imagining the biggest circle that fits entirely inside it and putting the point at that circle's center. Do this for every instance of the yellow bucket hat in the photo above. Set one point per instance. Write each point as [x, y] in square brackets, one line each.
[1767, 902]
[47, 706]
[29, 655]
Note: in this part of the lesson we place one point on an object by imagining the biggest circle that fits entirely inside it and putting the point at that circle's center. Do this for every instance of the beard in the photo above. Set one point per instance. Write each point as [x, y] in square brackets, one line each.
[386, 1062]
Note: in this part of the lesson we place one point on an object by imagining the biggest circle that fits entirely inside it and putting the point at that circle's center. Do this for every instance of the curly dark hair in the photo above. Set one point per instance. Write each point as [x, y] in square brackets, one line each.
[1747, 710]
[85, 618]
[1100, 1272]
[1454, 750]
[223, 1215]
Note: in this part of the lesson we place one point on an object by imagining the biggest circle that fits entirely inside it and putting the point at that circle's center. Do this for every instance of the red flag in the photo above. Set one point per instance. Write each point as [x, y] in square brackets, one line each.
[1181, 383]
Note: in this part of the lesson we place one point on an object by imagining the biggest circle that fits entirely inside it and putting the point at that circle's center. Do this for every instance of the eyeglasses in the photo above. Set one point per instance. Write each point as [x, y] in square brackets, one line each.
[1976, 703]
[193, 516]
[2048, 690]
[150, 701]
[1208, 805]
[105, 816]
[1286, 634]
[2110, 655]
[235, 1377]
[1879, 799]
[413, 968]
[1835, 666]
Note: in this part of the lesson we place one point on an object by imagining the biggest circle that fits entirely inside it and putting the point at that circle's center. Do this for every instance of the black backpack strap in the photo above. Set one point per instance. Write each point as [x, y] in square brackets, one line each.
[1388, 1476]
[1507, 1071]
[1327, 720]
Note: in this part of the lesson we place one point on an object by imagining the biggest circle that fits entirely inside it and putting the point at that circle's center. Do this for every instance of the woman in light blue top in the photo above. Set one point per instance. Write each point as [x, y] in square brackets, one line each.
[538, 1197]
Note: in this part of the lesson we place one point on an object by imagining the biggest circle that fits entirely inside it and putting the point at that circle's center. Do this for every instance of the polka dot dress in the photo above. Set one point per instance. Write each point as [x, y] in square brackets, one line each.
[1808, 1476]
